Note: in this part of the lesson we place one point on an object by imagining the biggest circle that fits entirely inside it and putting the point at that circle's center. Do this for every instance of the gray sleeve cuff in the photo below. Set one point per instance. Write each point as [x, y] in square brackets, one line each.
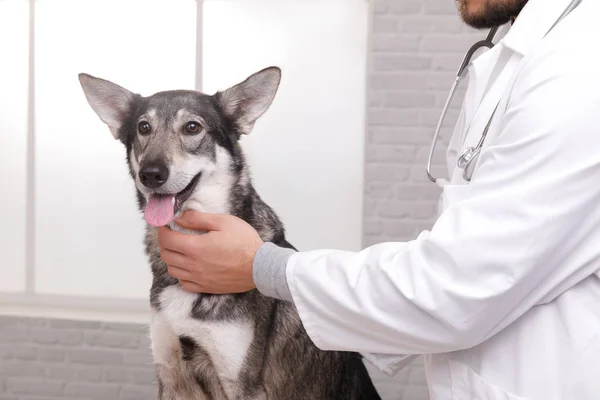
[269, 271]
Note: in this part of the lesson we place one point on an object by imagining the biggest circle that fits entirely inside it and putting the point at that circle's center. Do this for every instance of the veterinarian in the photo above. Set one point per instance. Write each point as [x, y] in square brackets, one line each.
[502, 296]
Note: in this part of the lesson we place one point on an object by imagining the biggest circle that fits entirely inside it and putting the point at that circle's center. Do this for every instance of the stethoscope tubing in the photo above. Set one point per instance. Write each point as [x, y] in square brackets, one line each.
[460, 74]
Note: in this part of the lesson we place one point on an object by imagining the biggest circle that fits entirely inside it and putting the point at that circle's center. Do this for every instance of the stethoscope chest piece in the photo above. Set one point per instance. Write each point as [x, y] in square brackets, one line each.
[467, 161]
[467, 157]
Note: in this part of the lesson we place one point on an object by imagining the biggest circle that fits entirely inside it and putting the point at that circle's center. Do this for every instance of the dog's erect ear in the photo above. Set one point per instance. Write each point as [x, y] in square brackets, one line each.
[248, 100]
[110, 101]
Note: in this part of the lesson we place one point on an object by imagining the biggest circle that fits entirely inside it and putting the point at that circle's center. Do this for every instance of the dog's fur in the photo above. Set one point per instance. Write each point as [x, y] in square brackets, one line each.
[242, 346]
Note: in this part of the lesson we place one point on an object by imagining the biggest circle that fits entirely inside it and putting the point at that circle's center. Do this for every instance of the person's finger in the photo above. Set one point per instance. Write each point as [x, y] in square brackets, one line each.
[175, 241]
[178, 273]
[170, 257]
[201, 221]
[190, 286]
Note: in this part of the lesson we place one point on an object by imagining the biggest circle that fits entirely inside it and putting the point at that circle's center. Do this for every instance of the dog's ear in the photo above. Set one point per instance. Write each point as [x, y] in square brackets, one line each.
[248, 100]
[110, 101]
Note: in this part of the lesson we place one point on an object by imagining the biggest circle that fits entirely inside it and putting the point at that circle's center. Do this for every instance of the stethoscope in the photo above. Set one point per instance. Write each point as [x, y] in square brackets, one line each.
[470, 154]
[468, 157]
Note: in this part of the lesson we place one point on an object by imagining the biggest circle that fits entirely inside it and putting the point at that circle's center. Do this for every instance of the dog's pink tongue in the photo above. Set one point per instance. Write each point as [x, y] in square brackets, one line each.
[159, 211]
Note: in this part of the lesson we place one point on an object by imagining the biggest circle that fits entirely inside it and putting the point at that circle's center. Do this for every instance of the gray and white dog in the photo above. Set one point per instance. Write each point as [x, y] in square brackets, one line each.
[183, 153]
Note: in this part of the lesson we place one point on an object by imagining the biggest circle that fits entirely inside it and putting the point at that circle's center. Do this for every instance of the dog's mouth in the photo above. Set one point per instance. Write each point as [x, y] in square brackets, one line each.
[162, 207]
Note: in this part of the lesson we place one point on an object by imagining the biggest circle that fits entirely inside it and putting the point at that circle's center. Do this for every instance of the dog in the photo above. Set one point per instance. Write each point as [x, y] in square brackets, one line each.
[183, 152]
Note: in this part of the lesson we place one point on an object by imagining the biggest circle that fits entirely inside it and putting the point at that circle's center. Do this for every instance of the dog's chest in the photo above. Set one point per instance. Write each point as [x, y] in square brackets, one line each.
[225, 343]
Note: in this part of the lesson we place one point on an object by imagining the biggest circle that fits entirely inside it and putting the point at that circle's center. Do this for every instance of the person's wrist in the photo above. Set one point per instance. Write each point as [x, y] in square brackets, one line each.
[251, 256]
[269, 270]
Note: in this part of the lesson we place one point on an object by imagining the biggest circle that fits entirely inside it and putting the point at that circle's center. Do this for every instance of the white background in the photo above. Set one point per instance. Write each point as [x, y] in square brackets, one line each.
[89, 233]
[14, 40]
[306, 153]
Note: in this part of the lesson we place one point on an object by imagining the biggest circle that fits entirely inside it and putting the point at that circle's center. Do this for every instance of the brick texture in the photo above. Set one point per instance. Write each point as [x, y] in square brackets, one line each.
[63, 359]
[416, 47]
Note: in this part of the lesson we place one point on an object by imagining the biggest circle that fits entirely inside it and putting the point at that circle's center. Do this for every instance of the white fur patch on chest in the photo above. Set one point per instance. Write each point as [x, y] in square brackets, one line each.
[226, 342]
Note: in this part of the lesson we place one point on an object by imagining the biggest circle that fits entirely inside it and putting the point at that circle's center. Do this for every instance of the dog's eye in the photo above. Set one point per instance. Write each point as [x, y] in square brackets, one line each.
[192, 127]
[144, 127]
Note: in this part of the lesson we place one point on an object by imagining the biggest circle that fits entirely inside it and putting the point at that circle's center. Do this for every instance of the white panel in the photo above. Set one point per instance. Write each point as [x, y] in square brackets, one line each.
[306, 152]
[89, 232]
[14, 44]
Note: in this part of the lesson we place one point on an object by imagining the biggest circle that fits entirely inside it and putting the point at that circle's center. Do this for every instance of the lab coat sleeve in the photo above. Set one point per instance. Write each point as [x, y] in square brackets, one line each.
[488, 258]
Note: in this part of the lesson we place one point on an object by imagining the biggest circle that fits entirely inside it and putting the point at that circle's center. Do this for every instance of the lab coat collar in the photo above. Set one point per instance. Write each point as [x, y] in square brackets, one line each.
[533, 22]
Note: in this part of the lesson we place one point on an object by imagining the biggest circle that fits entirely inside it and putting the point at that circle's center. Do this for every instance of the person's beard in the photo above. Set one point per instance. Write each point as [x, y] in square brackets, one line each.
[491, 13]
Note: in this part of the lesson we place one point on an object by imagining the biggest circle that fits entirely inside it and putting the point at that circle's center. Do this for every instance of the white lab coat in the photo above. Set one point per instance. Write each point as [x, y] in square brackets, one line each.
[502, 296]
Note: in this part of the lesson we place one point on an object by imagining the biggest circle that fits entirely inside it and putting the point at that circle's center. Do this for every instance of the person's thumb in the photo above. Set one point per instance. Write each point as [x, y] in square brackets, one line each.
[200, 221]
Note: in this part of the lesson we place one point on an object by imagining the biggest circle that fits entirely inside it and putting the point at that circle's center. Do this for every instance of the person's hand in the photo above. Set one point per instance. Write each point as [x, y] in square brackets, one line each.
[219, 261]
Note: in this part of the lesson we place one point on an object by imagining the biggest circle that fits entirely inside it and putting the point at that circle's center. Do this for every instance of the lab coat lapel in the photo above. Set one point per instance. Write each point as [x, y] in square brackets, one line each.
[480, 73]
[500, 69]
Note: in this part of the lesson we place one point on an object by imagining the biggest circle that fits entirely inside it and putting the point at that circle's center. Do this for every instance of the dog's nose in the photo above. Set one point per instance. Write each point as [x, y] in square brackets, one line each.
[154, 175]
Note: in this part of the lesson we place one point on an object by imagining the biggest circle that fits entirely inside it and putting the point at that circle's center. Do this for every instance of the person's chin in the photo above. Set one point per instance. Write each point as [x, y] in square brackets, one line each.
[475, 16]
[480, 14]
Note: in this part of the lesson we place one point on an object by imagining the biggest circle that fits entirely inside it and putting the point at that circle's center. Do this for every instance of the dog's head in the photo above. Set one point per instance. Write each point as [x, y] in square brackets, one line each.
[178, 139]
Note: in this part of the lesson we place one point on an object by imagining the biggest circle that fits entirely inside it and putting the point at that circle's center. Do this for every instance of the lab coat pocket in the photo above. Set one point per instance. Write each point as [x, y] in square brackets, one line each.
[452, 194]
[468, 385]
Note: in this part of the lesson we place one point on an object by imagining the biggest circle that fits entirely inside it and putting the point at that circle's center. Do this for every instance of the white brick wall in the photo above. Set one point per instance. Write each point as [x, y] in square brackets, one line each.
[416, 48]
[60, 359]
